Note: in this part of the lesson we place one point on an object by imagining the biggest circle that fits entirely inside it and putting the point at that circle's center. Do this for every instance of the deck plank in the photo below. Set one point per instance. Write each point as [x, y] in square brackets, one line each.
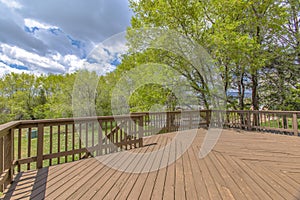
[137, 164]
[200, 185]
[211, 186]
[150, 181]
[240, 175]
[189, 181]
[242, 165]
[235, 178]
[262, 182]
[160, 181]
[112, 187]
[141, 181]
[286, 189]
[143, 168]
[179, 174]
[169, 175]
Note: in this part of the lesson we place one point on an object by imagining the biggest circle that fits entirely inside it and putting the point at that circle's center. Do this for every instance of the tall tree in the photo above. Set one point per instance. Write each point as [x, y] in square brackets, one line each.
[242, 36]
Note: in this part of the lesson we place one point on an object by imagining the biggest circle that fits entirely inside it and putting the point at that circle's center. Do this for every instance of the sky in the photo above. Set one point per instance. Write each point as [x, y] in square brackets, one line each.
[58, 36]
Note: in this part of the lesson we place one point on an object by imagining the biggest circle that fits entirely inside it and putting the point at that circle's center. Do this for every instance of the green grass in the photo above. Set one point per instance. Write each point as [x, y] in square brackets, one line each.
[33, 149]
[279, 124]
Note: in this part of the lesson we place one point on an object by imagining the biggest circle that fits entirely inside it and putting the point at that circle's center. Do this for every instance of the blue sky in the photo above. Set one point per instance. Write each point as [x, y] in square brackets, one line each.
[56, 36]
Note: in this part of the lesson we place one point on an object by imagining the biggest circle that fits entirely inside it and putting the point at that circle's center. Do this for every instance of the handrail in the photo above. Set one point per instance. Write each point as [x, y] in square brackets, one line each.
[261, 111]
[6, 127]
[82, 119]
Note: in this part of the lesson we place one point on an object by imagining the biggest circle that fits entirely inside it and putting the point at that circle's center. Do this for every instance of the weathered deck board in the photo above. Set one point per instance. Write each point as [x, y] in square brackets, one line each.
[243, 165]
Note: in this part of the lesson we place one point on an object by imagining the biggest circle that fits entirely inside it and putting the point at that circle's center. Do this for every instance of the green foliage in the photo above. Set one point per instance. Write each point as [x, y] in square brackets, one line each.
[153, 98]
[26, 96]
[292, 102]
[255, 44]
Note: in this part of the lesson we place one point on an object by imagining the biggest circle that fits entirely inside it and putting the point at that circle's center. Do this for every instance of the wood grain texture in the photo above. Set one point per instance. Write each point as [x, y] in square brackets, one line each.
[242, 165]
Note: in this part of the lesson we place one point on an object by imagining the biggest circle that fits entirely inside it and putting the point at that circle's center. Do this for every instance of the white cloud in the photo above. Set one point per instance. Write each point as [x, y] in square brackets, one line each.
[100, 69]
[73, 62]
[103, 55]
[31, 23]
[54, 63]
[5, 69]
[56, 57]
[102, 58]
[6, 59]
[36, 63]
[11, 4]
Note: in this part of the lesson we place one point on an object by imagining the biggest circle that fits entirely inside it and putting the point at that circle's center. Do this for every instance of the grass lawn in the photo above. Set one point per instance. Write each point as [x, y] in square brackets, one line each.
[33, 150]
[279, 124]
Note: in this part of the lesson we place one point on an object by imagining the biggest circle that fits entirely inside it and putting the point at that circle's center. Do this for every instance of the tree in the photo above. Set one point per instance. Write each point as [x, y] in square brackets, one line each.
[242, 37]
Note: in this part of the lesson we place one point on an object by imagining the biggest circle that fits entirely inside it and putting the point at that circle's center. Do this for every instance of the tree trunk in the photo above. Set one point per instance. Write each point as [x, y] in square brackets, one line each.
[255, 103]
[241, 91]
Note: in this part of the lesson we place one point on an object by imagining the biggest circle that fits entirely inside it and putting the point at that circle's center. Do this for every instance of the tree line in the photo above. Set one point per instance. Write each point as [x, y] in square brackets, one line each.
[28, 96]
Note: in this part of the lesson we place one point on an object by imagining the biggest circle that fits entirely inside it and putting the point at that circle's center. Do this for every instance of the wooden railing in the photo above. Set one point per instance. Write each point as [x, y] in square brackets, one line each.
[165, 122]
[33, 144]
[6, 154]
[282, 122]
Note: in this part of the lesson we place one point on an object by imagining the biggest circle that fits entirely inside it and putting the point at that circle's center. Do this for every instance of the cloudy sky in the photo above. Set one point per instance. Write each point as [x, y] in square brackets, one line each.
[58, 36]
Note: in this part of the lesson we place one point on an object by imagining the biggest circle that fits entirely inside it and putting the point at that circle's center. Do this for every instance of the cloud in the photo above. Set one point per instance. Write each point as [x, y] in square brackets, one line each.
[45, 37]
[20, 59]
[93, 20]
[35, 63]
[107, 54]
[11, 4]
[11, 33]
[102, 59]
[6, 59]
[69, 31]
[56, 39]
[33, 23]
[5, 69]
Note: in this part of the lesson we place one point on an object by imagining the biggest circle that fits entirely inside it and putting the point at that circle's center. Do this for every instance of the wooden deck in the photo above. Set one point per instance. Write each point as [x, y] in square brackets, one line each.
[243, 165]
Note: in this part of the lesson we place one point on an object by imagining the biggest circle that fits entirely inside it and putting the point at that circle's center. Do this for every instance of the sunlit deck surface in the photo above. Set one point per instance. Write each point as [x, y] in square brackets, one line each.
[243, 165]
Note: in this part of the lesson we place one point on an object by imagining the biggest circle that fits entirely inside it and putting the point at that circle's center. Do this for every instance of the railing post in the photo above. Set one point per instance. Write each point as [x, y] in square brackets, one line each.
[295, 124]
[141, 130]
[249, 120]
[168, 125]
[40, 146]
[285, 123]
[190, 120]
[208, 116]
[8, 156]
[1, 161]
[227, 119]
